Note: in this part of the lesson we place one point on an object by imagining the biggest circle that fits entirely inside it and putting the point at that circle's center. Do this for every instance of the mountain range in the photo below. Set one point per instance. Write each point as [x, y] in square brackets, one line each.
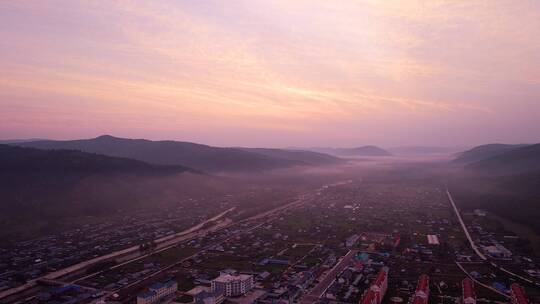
[367, 151]
[423, 150]
[197, 156]
[45, 189]
[484, 152]
[20, 160]
[504, 179]
[518, 160]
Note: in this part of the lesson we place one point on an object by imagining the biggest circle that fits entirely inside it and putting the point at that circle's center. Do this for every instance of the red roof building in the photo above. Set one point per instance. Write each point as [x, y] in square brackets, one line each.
[518, 294]
[421, 295]
[369, 298]
[377, 290]
[469, 297]
[380, 285]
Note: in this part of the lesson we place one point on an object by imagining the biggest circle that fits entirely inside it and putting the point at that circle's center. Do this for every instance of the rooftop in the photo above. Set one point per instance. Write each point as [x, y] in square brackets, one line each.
[227, 278]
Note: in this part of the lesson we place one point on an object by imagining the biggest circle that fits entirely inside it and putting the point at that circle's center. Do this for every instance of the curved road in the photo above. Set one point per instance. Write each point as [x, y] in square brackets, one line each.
[162, 242]
[478, 252]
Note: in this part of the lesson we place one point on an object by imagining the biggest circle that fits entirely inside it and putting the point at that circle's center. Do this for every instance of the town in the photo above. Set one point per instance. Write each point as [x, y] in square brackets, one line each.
[269, 152]
[357, 240]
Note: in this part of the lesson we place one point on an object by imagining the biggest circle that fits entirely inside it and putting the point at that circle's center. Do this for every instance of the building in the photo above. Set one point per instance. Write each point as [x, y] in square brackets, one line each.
[518, 294]
[203, 295]
[498, 251]
[421, 295]
[469, 297]
[380, 285]
[480, 212]
[352, 240]
[158, 291]
[433, 239]
[233, 285]
[377, 290]
[207, 297]
[369, 298]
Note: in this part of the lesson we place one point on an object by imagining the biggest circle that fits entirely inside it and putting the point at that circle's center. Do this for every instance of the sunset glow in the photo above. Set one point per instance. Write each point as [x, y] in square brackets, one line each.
[282, 73]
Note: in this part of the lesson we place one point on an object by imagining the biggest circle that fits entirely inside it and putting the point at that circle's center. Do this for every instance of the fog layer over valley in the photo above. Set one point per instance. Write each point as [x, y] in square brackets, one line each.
[67, 203]
[55, 189]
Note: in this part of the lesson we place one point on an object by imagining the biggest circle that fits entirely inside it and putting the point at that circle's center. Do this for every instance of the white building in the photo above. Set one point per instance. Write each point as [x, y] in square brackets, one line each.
[157, 292]
[203, 295]
[233, 285]
[433, 239]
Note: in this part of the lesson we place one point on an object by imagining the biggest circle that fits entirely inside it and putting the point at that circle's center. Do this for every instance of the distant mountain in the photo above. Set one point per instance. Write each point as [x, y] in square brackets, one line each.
[504, 179]
[45, 191]
[306, 157]
[14, 141]
[513, 161]
[421, 150]
[351, 152]
[197, 156]
[515, 197]
[20, 160]
[484, 152]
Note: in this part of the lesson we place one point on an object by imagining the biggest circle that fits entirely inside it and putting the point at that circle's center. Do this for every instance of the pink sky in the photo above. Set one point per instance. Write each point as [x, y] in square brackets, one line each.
[272, 73]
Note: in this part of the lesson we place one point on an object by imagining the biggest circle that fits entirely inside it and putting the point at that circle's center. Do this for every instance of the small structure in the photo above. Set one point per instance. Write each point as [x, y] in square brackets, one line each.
[498, 251]
[433, 239]
[352, 240]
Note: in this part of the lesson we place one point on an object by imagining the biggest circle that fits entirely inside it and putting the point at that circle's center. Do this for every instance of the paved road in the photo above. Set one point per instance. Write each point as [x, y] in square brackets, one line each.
[318, 291]
[260, 220]
[471, 242]
[480, 283]
[162, 242]
[479, 253]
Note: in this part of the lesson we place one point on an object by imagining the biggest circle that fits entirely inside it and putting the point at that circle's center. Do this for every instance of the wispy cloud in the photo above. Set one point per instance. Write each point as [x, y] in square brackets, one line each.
[270, 65]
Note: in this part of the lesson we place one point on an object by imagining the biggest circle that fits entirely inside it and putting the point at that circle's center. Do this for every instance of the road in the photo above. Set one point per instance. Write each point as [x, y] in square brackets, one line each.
[479, 253]
[471, 241]
[168, 245]
[318, 291]
[259, 219]
[161, 243]
[480, 283]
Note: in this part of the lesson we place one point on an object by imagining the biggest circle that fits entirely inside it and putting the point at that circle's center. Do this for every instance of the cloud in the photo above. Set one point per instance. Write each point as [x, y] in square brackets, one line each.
[269, 65]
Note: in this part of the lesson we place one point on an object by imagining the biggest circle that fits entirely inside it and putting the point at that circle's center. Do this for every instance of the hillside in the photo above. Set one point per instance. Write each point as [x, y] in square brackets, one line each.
[516, 197]
[197, 156]
[351, 152]
[483, 152]
[306, 157]
[505, 183]
[15, 141]
[515, 161]
[51, 188]
[422, 150]
[19, 161]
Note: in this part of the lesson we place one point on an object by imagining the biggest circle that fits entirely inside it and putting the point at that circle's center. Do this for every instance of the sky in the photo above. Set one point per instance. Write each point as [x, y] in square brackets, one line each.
[272, 73]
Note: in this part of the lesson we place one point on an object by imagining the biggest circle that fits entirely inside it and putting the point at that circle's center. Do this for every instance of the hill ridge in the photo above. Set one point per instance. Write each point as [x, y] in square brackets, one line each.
[198, 156]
